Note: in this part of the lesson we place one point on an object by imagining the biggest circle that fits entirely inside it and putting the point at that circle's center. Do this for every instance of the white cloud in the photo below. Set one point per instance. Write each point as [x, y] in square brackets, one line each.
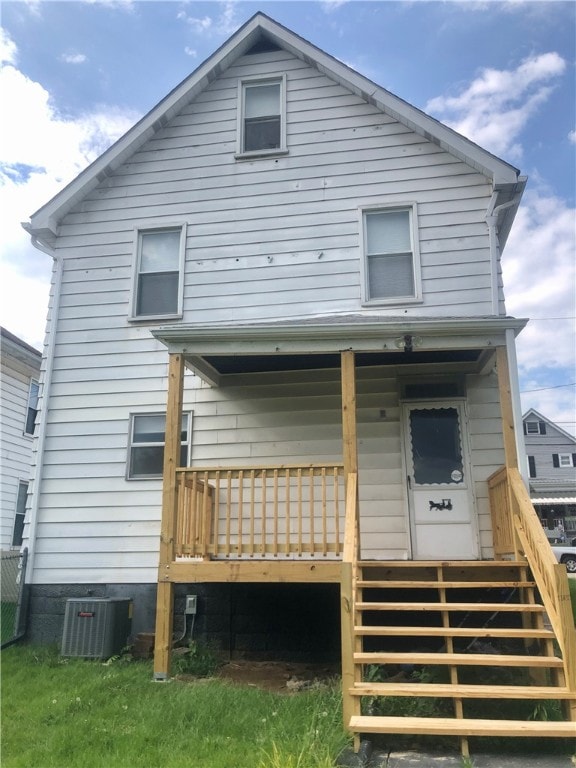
[40, 151]
[495, 107]
[8, 50]
[224, 24]
[539, 273]
[572, 137]
[331, 5]
[73, 58]
[198, 25]
[190, 52]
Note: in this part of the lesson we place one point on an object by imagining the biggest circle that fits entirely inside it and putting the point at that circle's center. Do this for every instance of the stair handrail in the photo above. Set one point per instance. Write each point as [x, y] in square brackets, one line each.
[550, 576]
[351, 525]
[350, 554]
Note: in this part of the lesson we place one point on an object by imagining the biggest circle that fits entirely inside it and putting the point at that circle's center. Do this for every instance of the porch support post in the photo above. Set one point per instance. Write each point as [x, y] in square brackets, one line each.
[350, 446]
[350, 704]
[165, 595]
[507, 408]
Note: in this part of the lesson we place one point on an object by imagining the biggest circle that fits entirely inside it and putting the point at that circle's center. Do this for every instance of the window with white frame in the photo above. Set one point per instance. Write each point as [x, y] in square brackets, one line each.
[32, 407]
[391, 259]
[18, 531]
[146, 447]
[534, 428]
[262, 119]
[565, 460]
[158, 272]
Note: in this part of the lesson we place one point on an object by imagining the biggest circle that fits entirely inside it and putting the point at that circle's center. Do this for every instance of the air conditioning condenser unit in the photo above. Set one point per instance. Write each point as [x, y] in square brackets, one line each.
[96, 628]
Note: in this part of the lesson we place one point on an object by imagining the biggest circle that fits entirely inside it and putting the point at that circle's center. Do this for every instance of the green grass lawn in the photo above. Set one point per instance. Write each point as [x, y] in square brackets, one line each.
[7, 619]
[59, 713]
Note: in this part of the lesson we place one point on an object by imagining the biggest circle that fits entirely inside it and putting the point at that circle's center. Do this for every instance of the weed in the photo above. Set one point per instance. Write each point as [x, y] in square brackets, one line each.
[198, 660]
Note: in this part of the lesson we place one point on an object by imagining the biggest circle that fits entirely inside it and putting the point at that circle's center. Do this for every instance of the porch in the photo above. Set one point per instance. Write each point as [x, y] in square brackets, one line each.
[301, 522]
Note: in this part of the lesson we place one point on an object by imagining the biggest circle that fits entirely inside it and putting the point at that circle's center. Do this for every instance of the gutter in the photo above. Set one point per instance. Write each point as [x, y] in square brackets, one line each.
[46, 380]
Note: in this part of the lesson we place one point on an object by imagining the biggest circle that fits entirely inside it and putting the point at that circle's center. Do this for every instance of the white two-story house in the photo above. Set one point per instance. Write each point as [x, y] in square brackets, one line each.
[280, 373]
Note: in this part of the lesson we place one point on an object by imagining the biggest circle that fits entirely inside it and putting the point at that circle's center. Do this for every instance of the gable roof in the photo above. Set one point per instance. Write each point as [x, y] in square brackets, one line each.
[261, 28]
[534, 413]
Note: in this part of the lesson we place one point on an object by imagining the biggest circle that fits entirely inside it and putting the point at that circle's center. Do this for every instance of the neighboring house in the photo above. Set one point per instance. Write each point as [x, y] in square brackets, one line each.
[551, 453]
[281, 377]
[18, 408]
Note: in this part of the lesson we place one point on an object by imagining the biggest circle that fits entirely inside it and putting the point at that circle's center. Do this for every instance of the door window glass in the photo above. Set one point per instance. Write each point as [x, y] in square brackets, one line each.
[436, 446]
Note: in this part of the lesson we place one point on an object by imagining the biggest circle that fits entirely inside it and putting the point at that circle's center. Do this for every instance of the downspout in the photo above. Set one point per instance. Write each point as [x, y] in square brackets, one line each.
[46, 385]
[492, 221]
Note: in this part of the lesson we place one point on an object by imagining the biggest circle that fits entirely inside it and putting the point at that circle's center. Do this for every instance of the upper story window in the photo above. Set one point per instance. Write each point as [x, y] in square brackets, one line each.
[391, 258]
[146, 447]
[564, 460]
[262, 116]
[159, 266]
[32, 407]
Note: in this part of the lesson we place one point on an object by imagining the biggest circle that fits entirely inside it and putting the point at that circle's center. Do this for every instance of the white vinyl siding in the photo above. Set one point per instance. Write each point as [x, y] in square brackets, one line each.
[261, 116]
[278, 238]
[390, 255]
[158, 278]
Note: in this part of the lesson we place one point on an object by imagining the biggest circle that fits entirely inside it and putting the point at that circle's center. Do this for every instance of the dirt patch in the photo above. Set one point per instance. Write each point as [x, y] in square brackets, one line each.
[277, 676]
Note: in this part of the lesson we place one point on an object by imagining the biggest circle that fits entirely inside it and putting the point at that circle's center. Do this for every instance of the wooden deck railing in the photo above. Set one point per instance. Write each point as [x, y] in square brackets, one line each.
[518, 532]
[260, 512]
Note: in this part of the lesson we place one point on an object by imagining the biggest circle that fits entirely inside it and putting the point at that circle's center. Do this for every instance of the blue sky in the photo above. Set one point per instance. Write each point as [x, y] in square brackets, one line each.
[76, 75]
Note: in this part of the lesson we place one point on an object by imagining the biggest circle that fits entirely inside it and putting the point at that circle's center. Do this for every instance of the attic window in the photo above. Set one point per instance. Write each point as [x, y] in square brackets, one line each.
[534, 428]
[262, 116]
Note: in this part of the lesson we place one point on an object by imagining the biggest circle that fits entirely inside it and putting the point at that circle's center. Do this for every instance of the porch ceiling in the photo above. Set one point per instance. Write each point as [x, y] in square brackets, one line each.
[230, 364]
[217, 351]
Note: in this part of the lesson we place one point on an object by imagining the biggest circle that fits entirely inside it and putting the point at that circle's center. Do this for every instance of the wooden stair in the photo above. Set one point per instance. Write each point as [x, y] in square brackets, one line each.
[471, 632]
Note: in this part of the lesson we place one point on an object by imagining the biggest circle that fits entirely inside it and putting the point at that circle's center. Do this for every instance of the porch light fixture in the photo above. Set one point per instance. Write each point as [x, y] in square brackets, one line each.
[408, 342]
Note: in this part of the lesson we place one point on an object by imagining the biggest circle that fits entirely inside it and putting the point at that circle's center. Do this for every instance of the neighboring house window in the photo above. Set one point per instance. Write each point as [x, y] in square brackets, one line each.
[532, 466]
[391, 259]
[534, 428]
[262, 116]
[564, 460]
[18, 533]
[158, 276]
[32, 409]
[146, 450]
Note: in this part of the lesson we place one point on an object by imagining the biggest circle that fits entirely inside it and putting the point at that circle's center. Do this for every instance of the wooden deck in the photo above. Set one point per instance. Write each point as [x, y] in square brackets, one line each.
[301, 523]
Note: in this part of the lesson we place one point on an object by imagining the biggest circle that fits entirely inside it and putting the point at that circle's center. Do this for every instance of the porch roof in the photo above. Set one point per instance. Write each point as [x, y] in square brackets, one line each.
[221, 349]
